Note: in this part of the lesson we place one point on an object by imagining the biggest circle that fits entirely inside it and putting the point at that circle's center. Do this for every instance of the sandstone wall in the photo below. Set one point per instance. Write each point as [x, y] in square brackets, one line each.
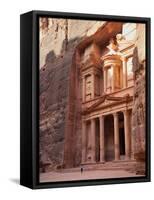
[59, 89]
[138, 119]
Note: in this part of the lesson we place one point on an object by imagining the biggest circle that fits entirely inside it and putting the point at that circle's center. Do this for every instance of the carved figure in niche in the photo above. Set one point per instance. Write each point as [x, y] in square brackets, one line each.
[88, 88]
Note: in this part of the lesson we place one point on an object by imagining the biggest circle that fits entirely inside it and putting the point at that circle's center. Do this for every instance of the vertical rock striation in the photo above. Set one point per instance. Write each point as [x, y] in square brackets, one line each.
[138, 118]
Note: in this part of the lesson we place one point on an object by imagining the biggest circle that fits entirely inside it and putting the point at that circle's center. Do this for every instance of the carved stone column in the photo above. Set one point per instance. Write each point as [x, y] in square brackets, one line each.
[84, 136]
[93, 140]
[113, 77]
[93, 85]
[127, 134]
[116, 137]
[83, 89]
[102, 144]
[105, 80]
[124, 63]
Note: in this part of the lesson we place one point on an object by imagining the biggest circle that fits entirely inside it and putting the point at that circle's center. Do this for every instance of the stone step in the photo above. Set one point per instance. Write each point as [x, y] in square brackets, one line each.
[110, 166]
[115, 165]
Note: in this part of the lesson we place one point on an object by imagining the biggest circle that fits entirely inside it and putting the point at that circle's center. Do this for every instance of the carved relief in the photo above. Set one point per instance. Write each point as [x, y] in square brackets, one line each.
[97, 85]
[88, 87]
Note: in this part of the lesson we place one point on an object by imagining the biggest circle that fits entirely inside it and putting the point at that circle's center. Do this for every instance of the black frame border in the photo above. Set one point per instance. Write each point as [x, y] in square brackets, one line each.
[29, 99]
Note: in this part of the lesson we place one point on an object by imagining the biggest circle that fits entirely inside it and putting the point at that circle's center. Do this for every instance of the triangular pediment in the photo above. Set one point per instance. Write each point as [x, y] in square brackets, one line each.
[106, 100]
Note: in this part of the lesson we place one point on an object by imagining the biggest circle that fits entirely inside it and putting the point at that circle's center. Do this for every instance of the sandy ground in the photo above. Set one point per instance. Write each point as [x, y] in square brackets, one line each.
[94, 174]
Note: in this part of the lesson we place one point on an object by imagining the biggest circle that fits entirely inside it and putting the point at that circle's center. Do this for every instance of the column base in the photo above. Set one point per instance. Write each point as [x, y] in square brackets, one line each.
[127, 158]
[102, 162]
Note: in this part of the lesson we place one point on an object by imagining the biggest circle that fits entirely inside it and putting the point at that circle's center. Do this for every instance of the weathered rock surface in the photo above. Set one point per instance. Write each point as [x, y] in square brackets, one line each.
[58, 40]
[138, 118]
[53, 100]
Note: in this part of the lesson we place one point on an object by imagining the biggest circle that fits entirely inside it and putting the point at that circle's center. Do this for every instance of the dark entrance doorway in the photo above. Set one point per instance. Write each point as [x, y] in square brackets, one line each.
[121, 135]
[109, 137]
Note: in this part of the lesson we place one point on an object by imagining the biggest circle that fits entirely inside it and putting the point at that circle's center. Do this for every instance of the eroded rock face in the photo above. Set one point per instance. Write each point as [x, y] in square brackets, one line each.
[58, 91]
[138, 118]
[54, 84]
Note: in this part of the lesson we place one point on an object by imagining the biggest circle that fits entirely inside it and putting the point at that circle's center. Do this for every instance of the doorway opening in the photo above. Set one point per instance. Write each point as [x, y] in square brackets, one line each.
[121, 135]
[109, 137]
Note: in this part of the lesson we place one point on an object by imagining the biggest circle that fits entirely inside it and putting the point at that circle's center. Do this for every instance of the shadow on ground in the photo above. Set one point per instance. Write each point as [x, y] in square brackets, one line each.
[15, 180]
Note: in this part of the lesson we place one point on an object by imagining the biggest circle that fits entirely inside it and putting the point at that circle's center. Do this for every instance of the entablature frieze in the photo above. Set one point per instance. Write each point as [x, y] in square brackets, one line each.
[108, 110]
[104, 102]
